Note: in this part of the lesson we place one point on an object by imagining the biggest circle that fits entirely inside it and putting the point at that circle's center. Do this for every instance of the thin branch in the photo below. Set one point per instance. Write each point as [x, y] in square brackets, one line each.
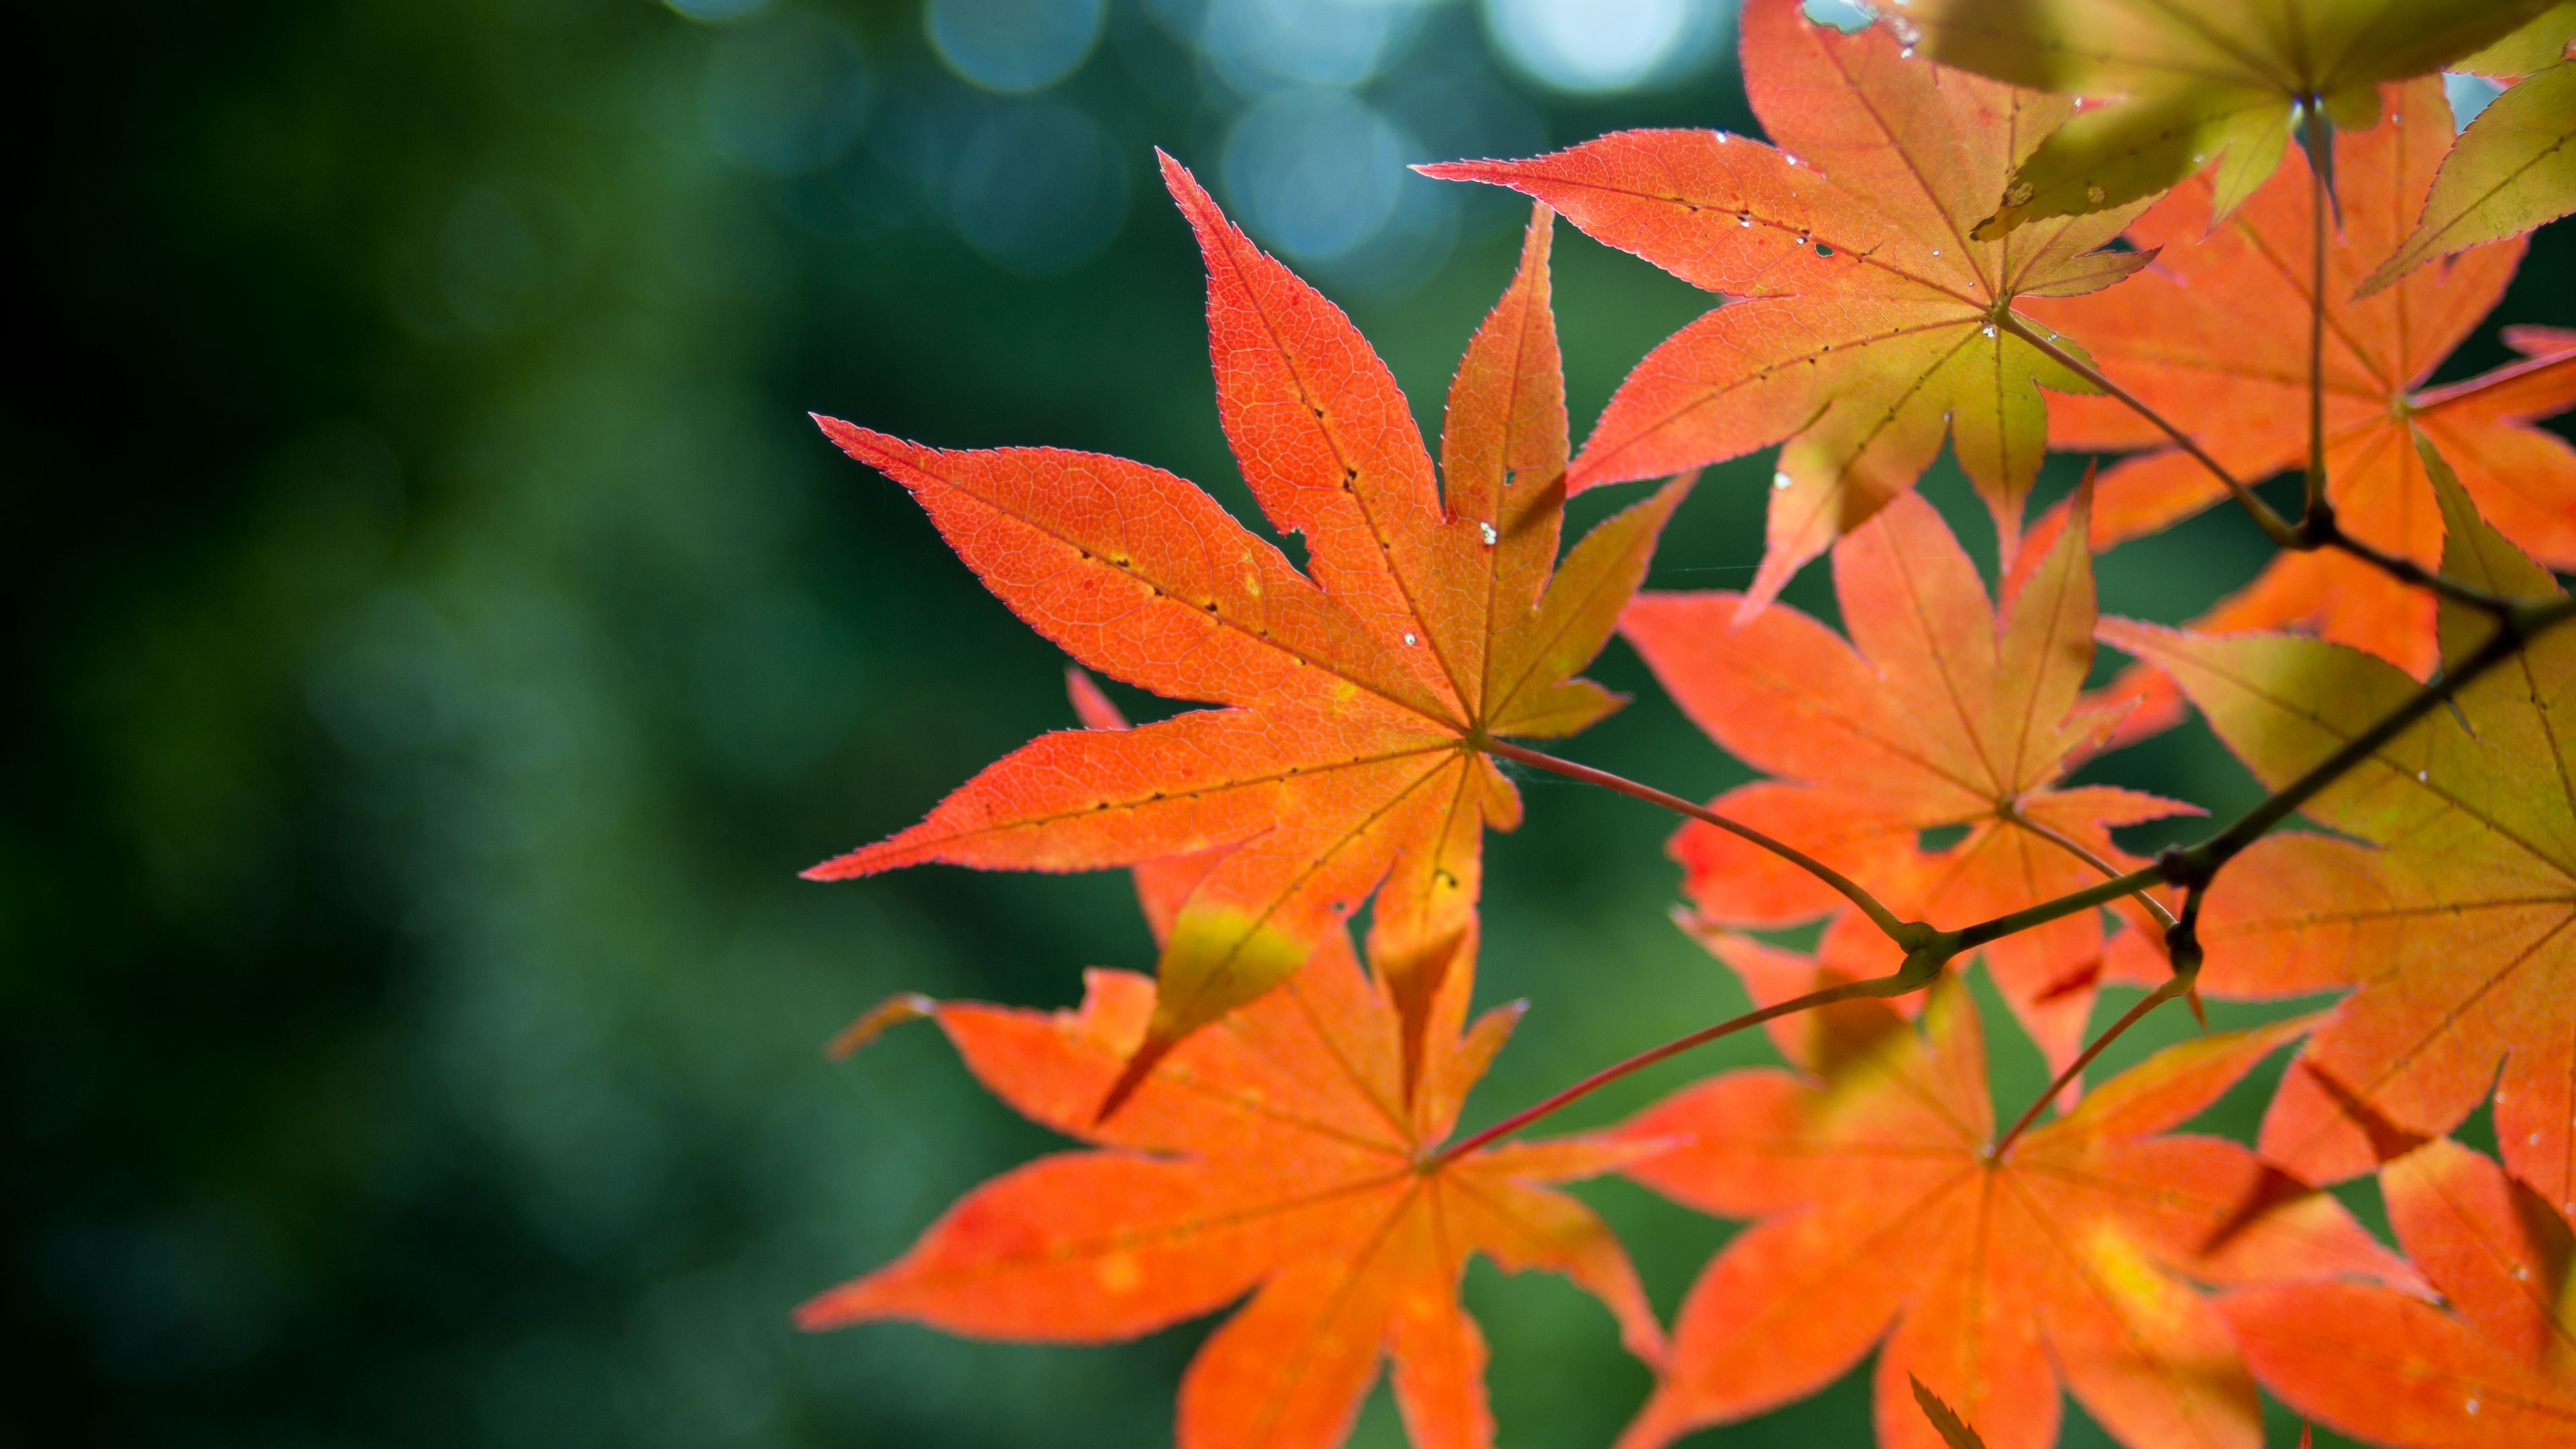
[2276, 528]
[1920, 969]
[2182, 945]
[2519, 626]
[2316, 530]
[2197, 864]
[1906, 934]
[2328, 533]
[2171, 988]
[2084, 853]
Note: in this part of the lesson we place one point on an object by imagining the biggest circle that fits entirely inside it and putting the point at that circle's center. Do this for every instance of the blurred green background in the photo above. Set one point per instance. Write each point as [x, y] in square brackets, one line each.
[438, 638]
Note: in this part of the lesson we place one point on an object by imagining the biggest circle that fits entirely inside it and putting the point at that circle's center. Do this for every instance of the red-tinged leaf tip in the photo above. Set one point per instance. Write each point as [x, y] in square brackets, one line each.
[839, 867]
[895, 1010]
[1091, 704]
[2534, 340]
[1463, 170]
[2307, 1437]
[1184, 187]
[1954, 1430]
[882, 451]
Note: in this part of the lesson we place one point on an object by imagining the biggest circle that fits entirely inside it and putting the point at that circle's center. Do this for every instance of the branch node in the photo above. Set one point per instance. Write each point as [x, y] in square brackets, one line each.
[2182, 867]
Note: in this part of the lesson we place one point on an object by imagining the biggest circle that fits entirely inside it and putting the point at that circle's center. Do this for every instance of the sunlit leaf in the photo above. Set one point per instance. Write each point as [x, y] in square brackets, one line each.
[2178, 338]
[1276, 1156]
[1941, 710]
[2496, 1368]
[2446, 910]
[1867, 331]
[1882, 1218]
[1354, 692]
[2511, 170]
[2197, 80]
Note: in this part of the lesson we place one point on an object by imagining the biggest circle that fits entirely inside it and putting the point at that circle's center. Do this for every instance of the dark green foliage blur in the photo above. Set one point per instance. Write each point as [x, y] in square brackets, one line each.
[438, 638]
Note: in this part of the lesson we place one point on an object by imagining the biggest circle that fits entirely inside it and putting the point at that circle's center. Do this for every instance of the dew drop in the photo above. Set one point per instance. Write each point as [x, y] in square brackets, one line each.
[1409, 639]
[1791, 159]
[2472, 1407]
[2521, 1272]
[1721, 138]
[2423, 776]
[1936, 251]
[1744, 218]
[1490, 536]
[1905, 52]
[1780, 482]
[1990, 329]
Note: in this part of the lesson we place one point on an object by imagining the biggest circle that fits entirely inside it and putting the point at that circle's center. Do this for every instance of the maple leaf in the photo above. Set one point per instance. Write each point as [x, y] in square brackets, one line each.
[1355, 703]
[2498, 1368]
[2176, 337]
[1877, 1201]
[2447, 912]
[1867, 325]
[2534, 48]
[2199, 80]
[1275, 1154]
[1940, 711]
[2512, 169]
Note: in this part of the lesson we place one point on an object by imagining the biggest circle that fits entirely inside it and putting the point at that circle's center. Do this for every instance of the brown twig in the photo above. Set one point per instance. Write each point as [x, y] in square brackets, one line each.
[2276, 528]
[2084, 853]
[1921, 968]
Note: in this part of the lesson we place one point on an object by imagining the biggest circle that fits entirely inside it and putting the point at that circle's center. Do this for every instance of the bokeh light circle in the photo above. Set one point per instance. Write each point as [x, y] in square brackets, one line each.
[1598, 46]
[1038, 187]
[1014, 46]
[1259, 45]
[784, 95]
[1314, 172]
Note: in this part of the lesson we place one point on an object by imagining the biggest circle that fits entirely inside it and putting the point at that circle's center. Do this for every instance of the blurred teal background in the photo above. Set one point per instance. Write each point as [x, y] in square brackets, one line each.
[438, 638]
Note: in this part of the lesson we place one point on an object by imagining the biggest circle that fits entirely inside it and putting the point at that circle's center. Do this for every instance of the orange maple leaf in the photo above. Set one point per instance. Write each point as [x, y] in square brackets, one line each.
[1356, 702]
[2068, 1257]
[2178, 337]
[2498, 1368]
[1867, 330]
[1275, 1154]
[2447, 908]
[1940, 711]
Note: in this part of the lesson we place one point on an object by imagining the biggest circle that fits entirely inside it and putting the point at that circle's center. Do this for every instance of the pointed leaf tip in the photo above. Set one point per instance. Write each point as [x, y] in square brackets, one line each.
[895, 1010]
